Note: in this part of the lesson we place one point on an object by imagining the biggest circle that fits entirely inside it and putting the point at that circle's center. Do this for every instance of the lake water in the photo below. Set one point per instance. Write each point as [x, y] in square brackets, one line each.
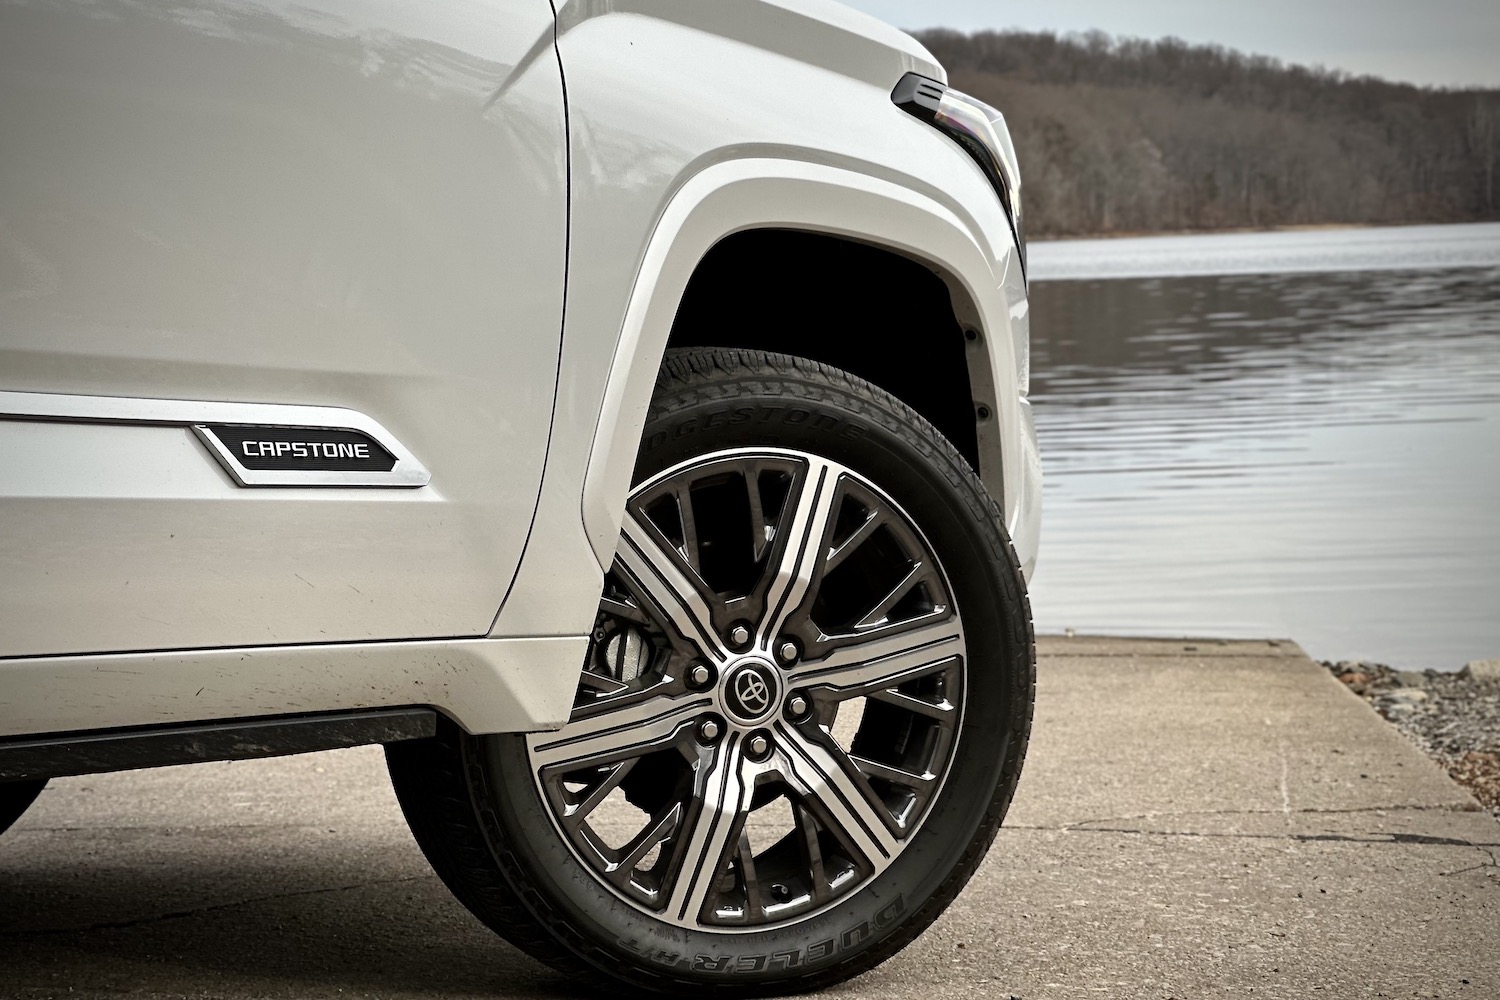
[1274, 435]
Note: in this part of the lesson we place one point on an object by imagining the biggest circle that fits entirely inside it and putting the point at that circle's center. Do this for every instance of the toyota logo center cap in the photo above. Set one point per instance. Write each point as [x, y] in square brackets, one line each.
[752, 691]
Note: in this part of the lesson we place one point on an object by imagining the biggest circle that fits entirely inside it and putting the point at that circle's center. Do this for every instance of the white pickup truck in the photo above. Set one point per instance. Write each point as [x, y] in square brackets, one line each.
[617, 410]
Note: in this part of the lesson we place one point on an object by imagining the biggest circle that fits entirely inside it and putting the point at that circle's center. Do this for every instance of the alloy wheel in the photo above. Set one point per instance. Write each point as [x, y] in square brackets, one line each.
[772, 698]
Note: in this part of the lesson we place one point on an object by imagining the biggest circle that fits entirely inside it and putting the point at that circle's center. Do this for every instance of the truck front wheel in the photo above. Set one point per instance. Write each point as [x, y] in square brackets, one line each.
[803, 713]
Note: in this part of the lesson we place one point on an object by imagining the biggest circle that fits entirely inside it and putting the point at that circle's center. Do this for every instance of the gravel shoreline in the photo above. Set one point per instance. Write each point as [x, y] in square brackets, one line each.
[1454, 717]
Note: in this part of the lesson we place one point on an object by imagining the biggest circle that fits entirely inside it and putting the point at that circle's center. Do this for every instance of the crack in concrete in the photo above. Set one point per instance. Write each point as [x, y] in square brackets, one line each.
[1306, 811]
[158, 827]
[1421, 839]
[1491, 863]
[1115, 827]
[1043, 657]
[1284, 787]
[200, 910]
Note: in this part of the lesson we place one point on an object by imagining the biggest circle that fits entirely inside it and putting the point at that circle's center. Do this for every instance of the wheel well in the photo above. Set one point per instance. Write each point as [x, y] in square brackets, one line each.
[867, 310]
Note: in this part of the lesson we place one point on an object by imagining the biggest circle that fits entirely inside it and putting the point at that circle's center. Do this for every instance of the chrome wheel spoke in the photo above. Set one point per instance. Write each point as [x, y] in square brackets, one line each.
[760, 526]
[659, 580]
[812, 854]
[826, 777]
[887, 658]
[879, 614]
[744, 856]
[940, 709]
[900, 776]
[600, 791]
[631, 855]
[801, 546]
[609, 734]
[690, 550]
[874, 519]
[602, 684]
[722, 795]
[622, 609]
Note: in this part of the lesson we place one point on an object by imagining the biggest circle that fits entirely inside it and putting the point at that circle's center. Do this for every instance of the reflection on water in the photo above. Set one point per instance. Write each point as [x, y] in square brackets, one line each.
[1307, 455]
[1386, 248]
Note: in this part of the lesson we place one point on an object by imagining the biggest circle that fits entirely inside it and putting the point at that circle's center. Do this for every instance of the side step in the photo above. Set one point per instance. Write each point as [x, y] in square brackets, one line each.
[64, 754]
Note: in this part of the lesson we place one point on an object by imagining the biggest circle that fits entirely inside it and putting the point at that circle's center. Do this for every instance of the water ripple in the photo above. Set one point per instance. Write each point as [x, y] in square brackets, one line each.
[1312, 455]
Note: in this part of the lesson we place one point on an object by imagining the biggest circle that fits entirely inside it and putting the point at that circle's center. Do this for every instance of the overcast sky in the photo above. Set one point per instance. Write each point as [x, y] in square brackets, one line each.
[1440, 42]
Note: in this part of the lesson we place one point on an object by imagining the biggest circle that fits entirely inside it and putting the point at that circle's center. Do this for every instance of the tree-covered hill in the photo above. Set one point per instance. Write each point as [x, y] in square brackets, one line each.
[1121, 135]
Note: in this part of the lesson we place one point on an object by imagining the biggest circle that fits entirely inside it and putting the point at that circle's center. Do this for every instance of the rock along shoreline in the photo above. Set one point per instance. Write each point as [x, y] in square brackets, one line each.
[1454, 717]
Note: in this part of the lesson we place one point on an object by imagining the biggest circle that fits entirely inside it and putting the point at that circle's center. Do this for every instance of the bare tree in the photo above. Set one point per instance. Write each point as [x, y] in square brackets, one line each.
[1483, 123]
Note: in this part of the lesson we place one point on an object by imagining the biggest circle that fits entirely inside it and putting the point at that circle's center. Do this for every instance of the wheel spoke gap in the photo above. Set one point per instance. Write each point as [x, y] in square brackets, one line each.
[895, 775]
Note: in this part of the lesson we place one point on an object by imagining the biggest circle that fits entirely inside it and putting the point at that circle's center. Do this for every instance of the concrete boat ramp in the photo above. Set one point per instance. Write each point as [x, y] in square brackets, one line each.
[1196, 819]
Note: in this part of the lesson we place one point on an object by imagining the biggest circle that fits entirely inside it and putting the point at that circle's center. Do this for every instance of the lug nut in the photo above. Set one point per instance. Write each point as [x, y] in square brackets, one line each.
[796, 706]
[788, 652]
[708, 731]
[699, 676]
[739, 635]
[758, 745]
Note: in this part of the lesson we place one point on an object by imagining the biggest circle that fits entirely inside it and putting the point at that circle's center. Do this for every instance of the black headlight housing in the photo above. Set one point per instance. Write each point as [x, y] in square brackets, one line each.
[980, 130]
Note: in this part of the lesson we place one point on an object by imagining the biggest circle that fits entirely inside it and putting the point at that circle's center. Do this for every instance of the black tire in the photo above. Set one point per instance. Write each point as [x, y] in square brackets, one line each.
[486, 813]
[15, 798]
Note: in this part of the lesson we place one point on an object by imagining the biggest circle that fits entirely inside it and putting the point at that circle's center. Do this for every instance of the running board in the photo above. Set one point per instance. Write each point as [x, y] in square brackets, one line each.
[57, 756]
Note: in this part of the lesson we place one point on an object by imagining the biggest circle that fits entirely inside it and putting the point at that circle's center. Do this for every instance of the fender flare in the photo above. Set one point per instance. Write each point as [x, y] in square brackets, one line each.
[582, 503]
[746, 194]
